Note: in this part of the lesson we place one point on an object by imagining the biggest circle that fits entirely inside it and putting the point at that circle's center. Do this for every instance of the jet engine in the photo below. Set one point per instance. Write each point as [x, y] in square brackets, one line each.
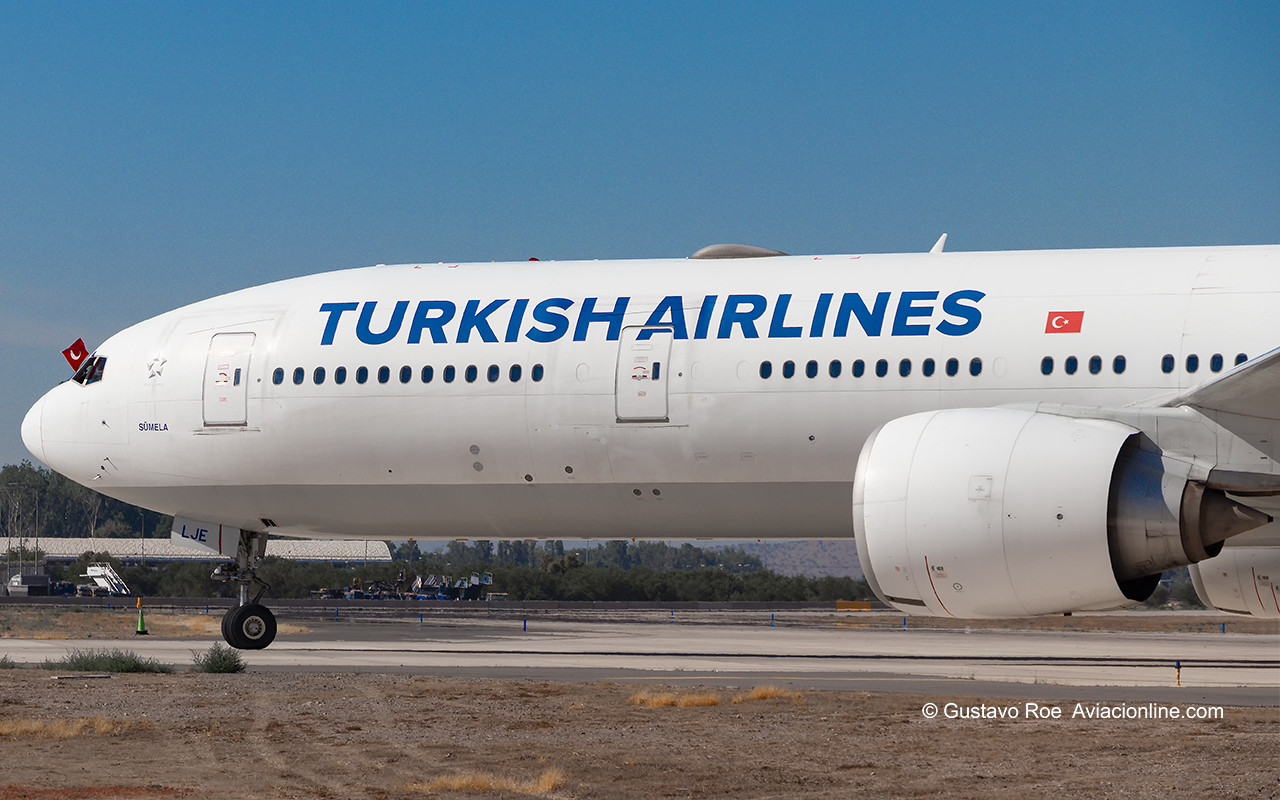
[1002, 512]
[1241, 580]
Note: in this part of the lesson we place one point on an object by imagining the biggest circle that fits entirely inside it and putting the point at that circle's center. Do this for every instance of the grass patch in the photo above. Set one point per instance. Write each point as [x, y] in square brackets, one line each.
[694, 700]
[65, 728]
[652, 699]
[116, 660]
[664, 699]
[768, 693]
[475, 781]
[218, 659]
[7, 663]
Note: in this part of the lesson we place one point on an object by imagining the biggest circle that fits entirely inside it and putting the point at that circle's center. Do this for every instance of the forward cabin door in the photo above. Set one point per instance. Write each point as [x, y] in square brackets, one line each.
[642, 378]
[226, 379]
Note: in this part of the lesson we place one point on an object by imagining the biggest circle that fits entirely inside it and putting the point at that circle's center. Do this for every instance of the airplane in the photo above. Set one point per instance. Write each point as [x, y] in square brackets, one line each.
[1003, 434]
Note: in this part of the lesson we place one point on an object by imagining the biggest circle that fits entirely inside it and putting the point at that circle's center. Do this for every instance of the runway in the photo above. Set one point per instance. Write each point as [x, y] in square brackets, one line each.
[1227, 669]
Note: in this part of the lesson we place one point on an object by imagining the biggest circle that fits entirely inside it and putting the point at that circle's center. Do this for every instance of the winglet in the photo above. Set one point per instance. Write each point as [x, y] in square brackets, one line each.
[937, 247]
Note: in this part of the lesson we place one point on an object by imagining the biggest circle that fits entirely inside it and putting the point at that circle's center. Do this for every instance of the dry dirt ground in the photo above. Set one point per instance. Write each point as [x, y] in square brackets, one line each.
[385, 736]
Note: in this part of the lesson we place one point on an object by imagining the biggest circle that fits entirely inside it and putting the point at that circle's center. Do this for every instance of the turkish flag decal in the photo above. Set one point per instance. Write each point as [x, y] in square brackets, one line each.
[1064, 322]
[75, 354]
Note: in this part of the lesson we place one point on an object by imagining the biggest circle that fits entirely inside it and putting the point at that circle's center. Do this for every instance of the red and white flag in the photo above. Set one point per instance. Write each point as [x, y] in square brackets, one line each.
[76, 354]
[1064, 322]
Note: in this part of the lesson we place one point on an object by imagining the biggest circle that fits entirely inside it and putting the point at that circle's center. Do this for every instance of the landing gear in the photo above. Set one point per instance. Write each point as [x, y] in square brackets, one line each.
[250, 625]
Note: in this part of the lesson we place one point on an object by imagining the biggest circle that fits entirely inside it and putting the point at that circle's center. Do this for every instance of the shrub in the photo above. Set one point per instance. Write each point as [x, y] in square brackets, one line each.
[218, 659]
[107, 661]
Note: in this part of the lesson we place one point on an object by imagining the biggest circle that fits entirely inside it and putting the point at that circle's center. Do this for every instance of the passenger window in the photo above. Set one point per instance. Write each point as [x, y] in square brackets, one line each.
[384, 374]
[789, 369]
[811, 369]
[427, 374]
[236, 380]
[975, 367]
[340, 375]
[494, 373]
[953, 367]
[1046, 365]
[904, 367]
[1095, 365]
[859, 368]
[657, 371]
[927, 367]
[362, 374]
[471, 373]
[1215, 362]
[1193, 363]
[537, 373]
[1167, 364]
[766, 369]
[318, 375]
[277, 377]
[882, 368]
[406, 374]
[1241, 358]
[514, 373]
[449, 373]
[833, 369]
[1070, 365]
[1118, 364]
[298, 375]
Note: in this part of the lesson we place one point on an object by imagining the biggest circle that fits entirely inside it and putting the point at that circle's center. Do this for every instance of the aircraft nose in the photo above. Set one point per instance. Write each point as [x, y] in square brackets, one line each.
[31, 433]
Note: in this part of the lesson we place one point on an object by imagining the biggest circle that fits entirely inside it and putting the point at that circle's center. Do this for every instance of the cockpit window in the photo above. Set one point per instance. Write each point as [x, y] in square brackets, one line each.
[91, 370]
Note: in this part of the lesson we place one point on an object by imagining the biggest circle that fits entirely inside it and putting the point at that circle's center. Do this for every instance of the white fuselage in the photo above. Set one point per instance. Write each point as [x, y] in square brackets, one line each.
[605, 444]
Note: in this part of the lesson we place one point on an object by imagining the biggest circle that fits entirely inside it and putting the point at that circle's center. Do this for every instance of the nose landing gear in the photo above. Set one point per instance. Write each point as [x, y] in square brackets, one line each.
[250, 625]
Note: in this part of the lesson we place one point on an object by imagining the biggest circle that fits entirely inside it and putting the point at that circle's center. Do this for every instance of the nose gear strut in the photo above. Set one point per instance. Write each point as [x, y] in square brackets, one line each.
[249, 625]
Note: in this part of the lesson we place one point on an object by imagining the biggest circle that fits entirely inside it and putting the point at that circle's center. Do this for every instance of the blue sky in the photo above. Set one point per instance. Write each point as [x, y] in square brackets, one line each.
[155, 154]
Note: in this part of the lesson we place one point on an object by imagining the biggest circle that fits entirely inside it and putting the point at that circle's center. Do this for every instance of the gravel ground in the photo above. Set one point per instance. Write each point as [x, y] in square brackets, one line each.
[384, 736]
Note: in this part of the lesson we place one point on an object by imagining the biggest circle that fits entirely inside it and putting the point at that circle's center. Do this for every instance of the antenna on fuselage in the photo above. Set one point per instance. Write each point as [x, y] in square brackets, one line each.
[937, 246]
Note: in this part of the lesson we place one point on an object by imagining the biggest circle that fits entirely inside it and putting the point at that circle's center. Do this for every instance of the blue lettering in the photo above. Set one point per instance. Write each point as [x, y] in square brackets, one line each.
[543, 314]
[906, 310]
[517, 317]
[777, 327]
[477, 320]
[970, 314]
[704, 316]
[435, 324]
[334, 310]
[393, 325]
[820, 316]
[744, 319]
[871, 320]
[587, 315]
[669, 305]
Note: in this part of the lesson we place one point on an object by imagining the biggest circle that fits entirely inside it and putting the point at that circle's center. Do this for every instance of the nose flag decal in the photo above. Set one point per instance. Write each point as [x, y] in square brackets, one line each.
[76, 354]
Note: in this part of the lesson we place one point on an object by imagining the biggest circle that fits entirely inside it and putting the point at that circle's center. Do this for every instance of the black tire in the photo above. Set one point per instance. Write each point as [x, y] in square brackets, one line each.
[250, 627]
[226, 625]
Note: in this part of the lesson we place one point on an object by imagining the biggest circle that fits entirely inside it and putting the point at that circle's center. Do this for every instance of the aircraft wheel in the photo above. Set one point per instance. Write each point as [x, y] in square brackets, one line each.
[249, 627]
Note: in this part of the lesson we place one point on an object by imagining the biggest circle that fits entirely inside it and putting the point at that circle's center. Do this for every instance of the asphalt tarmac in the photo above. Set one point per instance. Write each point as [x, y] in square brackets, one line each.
[1105, 666]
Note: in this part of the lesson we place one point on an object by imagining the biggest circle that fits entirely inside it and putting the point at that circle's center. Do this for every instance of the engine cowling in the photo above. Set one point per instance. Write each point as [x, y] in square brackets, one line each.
[1003, 512]
[1241, 580]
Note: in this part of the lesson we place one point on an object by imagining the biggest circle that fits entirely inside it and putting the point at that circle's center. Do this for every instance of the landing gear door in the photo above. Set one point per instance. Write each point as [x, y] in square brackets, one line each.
[642, 377]
[226, 379]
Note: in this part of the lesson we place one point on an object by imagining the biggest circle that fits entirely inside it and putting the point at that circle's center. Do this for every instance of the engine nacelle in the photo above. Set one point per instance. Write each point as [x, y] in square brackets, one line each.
[1002, 512]
[1241, 580]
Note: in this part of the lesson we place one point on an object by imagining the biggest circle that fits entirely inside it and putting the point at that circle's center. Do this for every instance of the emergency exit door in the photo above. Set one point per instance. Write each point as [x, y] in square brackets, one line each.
[643, 375]
[226, 379]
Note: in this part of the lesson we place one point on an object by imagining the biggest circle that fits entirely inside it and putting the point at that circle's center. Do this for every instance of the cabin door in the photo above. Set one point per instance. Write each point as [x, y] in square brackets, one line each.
[642, 378]
[226, 379]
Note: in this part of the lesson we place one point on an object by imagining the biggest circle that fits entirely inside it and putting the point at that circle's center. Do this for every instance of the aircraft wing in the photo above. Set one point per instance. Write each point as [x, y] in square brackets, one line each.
[1251, 390]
